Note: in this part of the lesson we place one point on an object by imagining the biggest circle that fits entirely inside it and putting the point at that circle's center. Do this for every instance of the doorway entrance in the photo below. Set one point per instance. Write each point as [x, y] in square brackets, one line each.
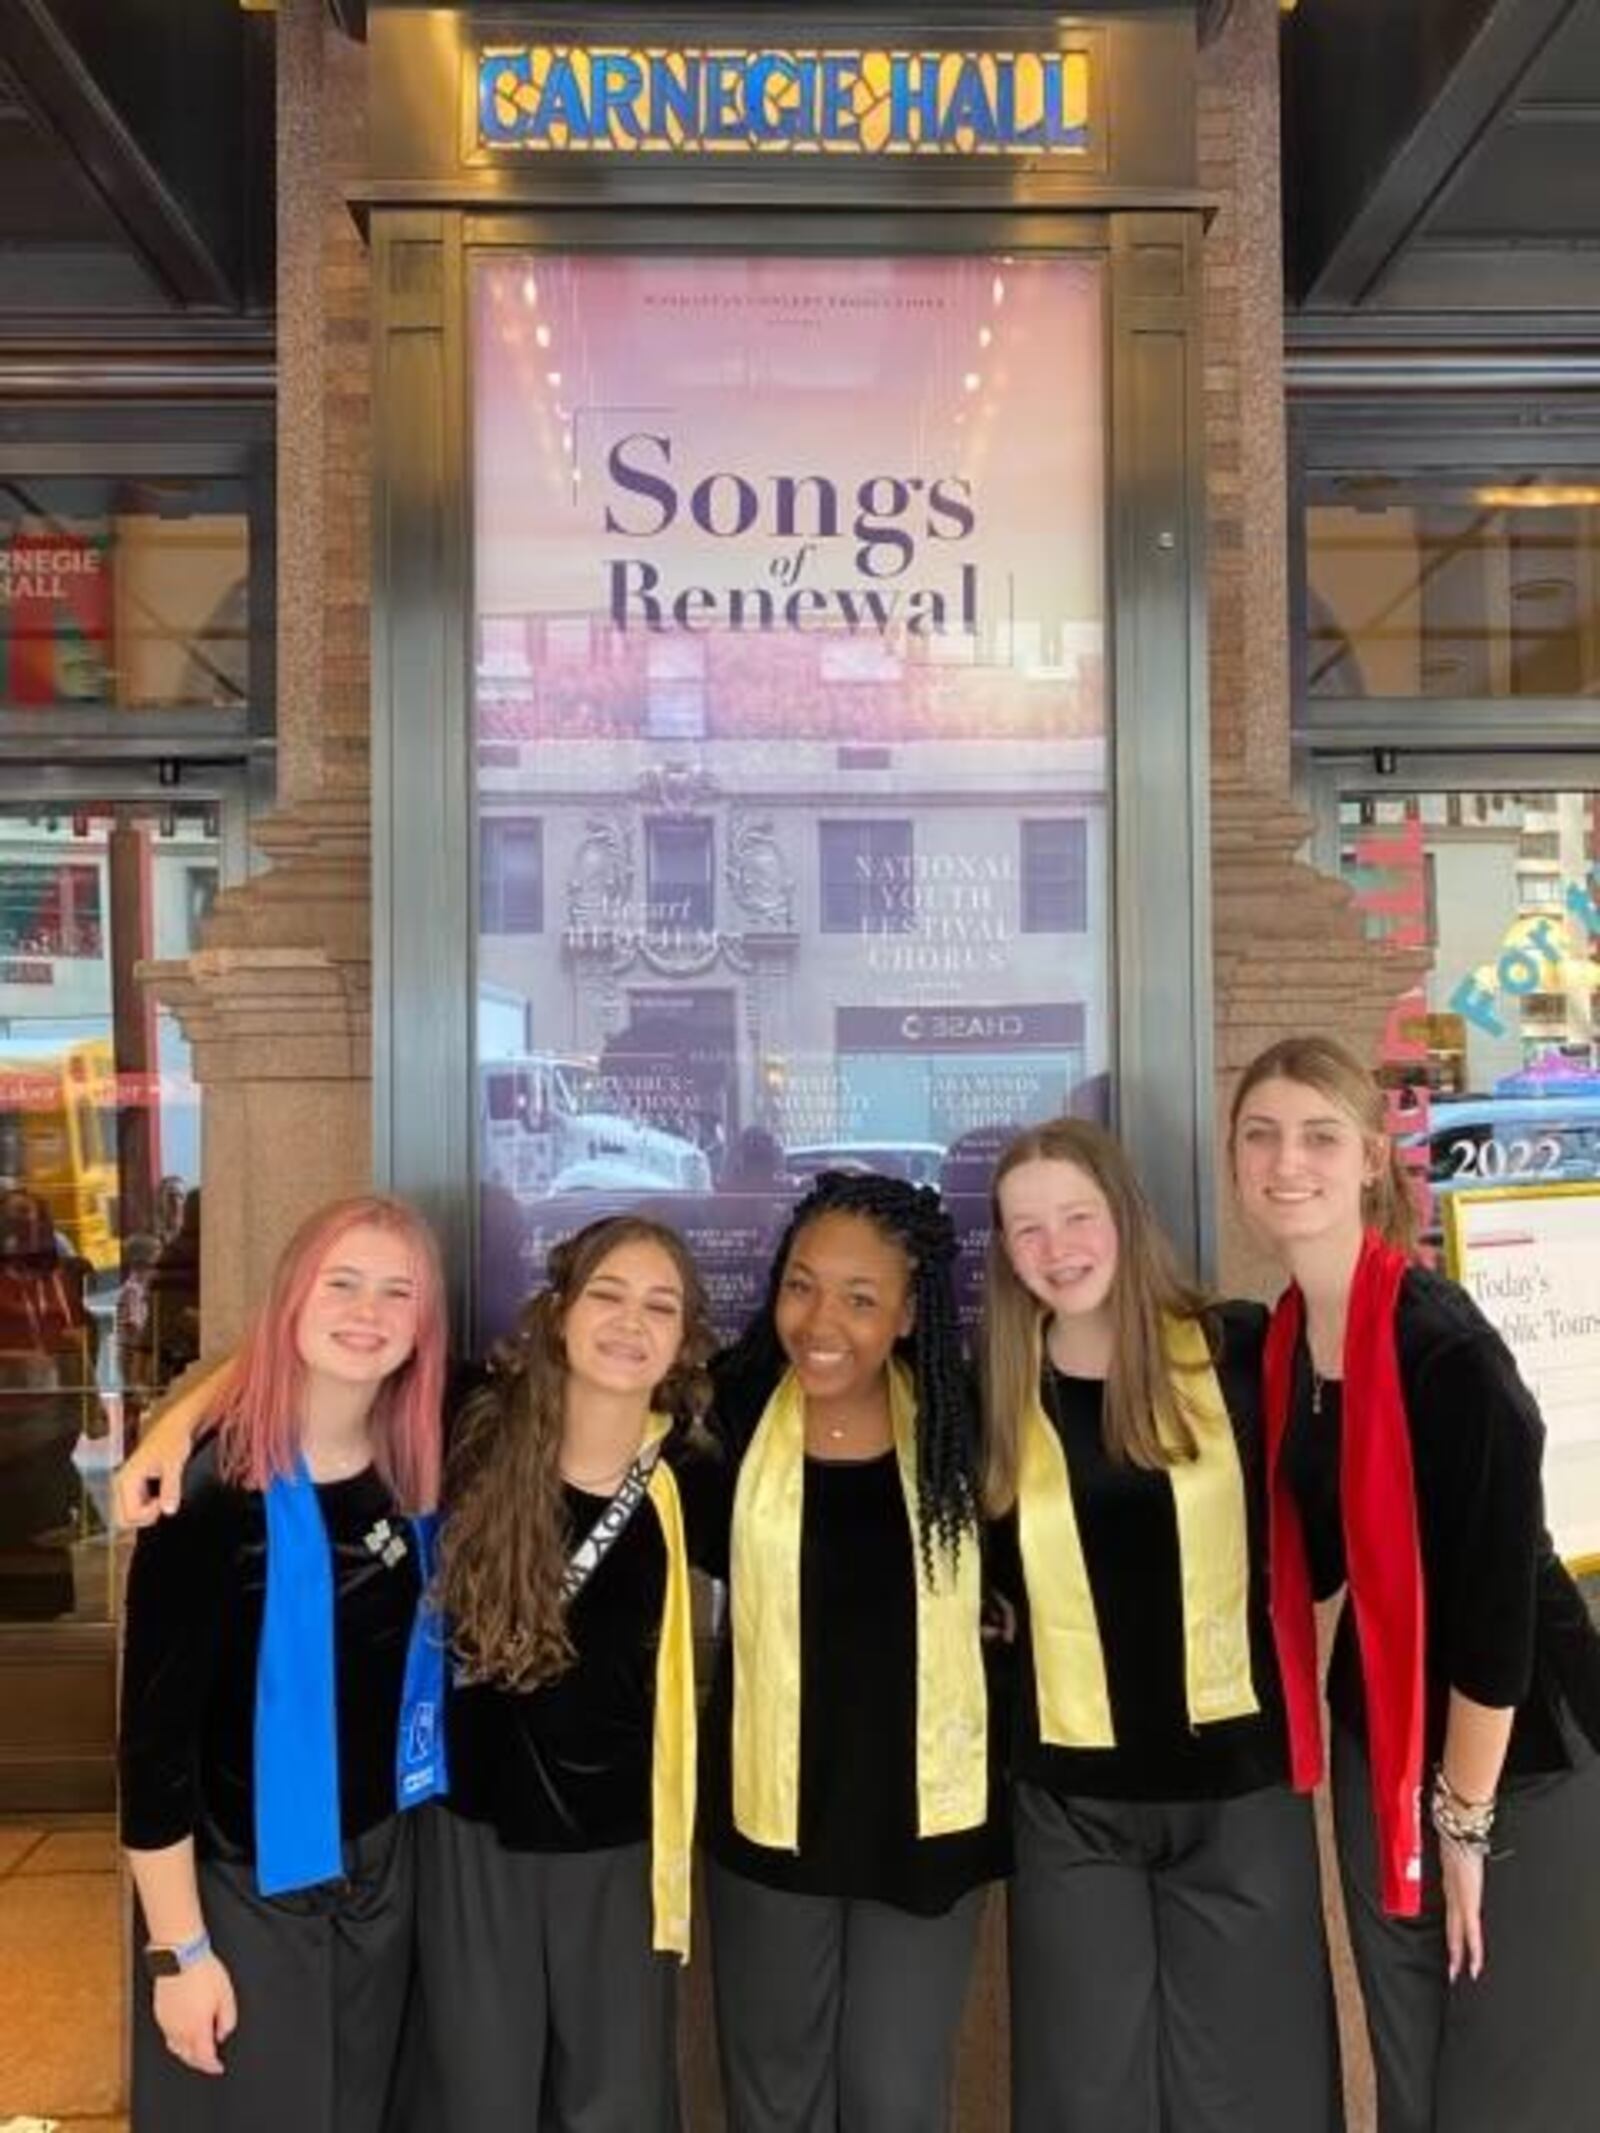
[100, 1208]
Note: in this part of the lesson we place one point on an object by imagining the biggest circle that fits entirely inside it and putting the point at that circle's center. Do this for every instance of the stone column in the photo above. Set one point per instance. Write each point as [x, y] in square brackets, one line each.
[1290, 949]
[276, 1003]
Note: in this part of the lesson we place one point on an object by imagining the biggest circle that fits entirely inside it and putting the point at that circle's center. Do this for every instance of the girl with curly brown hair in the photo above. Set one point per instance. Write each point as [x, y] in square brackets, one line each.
[553, 1893]
[553, 1897]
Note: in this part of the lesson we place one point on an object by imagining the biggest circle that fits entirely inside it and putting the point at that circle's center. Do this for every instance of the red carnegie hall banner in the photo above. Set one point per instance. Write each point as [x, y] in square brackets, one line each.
[55, 616]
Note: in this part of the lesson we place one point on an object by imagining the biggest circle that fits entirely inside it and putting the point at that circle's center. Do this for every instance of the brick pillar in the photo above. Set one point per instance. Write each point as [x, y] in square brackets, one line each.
[276, 1003]
[1289, 946]
[1290, 951]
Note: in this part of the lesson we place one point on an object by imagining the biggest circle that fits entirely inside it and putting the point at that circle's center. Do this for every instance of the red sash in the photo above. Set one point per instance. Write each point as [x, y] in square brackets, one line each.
[1383, 1558]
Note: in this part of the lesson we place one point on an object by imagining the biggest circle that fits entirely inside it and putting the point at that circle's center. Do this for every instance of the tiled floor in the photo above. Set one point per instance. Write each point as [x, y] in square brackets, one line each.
[61, 1987]
[60, 1978]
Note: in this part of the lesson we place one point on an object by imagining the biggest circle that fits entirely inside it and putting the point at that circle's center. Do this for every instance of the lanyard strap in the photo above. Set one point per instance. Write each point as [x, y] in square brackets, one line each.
[610, 1526]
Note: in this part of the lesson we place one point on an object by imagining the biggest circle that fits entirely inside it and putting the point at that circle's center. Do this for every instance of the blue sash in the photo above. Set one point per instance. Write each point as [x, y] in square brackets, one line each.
[297, 1722]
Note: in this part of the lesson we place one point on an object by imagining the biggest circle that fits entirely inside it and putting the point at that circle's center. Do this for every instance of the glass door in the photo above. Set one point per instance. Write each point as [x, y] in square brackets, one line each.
[1490, 867]
[100, 1190]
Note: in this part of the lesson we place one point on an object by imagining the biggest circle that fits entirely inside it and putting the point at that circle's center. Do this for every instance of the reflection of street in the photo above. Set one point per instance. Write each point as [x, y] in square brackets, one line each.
[49, 1404]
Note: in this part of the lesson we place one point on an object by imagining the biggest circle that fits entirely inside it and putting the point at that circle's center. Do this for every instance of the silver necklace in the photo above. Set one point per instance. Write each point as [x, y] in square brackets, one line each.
[598, 1484]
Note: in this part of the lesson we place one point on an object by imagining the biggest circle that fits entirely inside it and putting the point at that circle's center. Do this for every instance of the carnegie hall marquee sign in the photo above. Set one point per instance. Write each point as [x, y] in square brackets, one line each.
[623, 100]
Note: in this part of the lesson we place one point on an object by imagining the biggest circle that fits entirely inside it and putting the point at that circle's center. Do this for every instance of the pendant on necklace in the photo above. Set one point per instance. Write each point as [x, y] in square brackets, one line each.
[1316, 1390]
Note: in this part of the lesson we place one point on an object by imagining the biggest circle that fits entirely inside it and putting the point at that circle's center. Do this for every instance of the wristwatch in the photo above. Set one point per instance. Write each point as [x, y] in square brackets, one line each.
[171, 1961]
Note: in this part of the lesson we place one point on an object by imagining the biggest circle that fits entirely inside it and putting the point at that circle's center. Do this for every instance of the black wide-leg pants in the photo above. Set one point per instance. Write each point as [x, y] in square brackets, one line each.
[1519, 2050]
[321, 1982]
[1169, 1972]
[836, 2015]
[540, 2006]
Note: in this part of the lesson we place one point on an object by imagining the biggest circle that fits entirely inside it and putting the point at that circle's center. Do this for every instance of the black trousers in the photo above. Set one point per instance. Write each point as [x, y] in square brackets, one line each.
[1519, 2051]
[1168, 1968]
[836, 2015]
[321, 1982]
[540, 2006]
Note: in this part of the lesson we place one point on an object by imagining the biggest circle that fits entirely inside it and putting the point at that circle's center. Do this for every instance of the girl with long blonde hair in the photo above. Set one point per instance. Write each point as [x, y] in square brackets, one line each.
[1168, 1969]
[1404, 1459]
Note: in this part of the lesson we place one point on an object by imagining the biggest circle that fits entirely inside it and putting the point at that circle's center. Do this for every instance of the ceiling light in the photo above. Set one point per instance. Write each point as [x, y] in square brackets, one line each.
[1539, 496]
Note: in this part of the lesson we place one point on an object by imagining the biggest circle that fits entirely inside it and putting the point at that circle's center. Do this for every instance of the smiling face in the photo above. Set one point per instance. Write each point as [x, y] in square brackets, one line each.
[843, 1302]
[1301, 1164]
[359, 1323]
[623, 1329]
[1059, 1235]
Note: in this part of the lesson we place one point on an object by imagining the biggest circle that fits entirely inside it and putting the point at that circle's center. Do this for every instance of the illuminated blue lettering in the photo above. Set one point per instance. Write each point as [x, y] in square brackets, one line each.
[616, 82]
[1005, 98]
[968, 106]
[806, 74]
[725, 116]
[491, 78]
[1057, 133]
[914, 96]
[671, 98]
[562, 102]
[767, 124]
[840, 74]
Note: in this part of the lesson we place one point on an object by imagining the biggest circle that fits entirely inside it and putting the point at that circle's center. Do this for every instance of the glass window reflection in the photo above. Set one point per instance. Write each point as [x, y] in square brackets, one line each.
[1452, 587]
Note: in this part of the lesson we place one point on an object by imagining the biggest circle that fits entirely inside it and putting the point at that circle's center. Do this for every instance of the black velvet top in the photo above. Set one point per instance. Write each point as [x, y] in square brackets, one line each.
[1506, 1625]
[196, 1597]
[858, 1716]
[567, 1766]
[1127, 1522]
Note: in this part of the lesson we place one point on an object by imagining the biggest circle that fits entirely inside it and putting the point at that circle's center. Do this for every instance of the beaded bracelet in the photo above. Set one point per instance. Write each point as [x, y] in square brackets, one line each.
[1468, 1824]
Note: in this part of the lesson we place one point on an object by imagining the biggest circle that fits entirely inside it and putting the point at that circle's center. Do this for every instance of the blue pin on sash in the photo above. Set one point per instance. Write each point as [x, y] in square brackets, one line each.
[297, 1830]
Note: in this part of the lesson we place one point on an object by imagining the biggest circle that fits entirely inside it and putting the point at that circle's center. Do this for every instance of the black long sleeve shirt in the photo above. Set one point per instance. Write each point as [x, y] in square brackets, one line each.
[195, 1603]
[1128, 1527]
[858, 1716]
[567, 1766]
[1505, 1624]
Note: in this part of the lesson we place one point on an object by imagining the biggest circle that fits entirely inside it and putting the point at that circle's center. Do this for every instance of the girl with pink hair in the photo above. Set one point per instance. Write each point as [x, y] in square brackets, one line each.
[282, 1683]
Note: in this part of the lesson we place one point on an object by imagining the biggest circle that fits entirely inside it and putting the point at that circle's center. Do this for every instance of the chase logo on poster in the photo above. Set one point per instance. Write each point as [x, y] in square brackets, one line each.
[684, 101]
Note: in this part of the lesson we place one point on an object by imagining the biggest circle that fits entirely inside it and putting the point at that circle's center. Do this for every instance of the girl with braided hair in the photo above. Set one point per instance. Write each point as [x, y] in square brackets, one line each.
[1168, 1967]
[850, 1794]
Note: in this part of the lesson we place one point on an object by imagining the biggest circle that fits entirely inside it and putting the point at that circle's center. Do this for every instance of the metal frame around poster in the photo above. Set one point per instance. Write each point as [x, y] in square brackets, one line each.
[1138, 211]
[424, 943]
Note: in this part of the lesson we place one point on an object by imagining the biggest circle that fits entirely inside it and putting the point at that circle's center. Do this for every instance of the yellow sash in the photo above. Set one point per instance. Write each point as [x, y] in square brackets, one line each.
[672, 1761]
[1213, 1552]
[952, 1701]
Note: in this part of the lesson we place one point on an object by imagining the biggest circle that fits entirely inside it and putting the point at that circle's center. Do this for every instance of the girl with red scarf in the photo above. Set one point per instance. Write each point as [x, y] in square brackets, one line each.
[1404, 1467]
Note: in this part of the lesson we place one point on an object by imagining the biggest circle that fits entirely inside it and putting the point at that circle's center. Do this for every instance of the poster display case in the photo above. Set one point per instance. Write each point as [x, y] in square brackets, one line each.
[790, 738]
[790, 732]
